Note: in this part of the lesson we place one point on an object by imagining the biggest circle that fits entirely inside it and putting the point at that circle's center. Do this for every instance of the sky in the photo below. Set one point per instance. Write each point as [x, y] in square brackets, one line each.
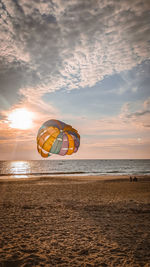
[85, 62]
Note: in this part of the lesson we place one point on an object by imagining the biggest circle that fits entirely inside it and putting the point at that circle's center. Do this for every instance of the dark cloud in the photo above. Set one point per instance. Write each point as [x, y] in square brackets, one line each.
[138, 114]
[18, 6]
[13, 77]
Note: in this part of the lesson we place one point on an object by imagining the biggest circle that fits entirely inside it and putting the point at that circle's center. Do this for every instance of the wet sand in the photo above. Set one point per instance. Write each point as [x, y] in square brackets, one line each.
[75, 221]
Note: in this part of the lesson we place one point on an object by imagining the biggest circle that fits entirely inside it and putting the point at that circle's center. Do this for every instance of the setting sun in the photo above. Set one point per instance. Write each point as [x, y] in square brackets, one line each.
[20, 118]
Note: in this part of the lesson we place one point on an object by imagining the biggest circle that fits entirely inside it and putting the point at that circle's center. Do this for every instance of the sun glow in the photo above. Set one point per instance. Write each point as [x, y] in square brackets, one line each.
[20, 118]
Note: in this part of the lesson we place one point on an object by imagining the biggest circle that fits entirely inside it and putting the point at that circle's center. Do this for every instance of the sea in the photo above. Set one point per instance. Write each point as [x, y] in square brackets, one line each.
[48, 168]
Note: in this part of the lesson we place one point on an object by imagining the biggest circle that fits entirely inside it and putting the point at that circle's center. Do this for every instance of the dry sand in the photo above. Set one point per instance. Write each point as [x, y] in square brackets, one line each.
[76, 221]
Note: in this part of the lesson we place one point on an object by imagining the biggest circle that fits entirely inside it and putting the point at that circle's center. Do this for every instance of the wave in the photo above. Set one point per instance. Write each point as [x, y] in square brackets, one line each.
[73, 173]
[40, 173]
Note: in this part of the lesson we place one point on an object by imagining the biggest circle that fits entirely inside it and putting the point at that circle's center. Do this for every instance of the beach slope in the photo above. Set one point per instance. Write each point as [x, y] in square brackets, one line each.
[75, 221]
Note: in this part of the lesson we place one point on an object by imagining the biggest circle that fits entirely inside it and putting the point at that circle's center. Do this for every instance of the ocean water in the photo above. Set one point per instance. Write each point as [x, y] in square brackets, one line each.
[45, 168]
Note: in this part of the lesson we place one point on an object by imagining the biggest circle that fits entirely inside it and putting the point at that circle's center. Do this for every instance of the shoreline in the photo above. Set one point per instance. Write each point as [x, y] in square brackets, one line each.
[90, 177]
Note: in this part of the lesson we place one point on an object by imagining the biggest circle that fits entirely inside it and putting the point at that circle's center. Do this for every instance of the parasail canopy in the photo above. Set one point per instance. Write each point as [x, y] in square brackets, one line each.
[57, 137]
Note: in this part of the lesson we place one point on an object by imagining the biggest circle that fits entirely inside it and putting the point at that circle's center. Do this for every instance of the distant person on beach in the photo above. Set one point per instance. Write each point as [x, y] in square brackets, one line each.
[130, 178]
[134, 179]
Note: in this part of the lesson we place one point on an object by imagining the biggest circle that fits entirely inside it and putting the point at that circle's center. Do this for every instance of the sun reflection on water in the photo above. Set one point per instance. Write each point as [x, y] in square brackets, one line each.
[20, 169]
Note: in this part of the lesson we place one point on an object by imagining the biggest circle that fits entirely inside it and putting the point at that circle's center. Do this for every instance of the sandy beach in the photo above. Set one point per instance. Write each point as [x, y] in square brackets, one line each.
[75, 221]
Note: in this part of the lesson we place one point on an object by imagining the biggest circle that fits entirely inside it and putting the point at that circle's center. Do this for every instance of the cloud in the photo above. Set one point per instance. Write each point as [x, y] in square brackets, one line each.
[147, 104]
[69, 44]
[139, 118]
[124, 131]
[120, 136]
[51, 45]
[140, 113]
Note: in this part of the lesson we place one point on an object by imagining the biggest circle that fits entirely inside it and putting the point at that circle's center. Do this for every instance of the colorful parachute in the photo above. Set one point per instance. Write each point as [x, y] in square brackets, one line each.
[56, 137]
